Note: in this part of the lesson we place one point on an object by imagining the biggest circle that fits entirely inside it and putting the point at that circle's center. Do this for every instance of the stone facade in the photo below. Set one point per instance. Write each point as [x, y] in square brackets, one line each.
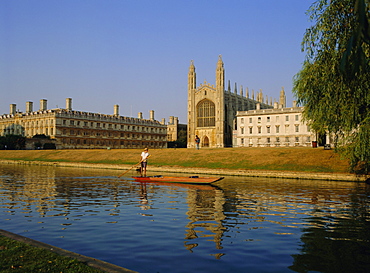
[76, 129]
[174, 128]
[273, 128]
[212, 109]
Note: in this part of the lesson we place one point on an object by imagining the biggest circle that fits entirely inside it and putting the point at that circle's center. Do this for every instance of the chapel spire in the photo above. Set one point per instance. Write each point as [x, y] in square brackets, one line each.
[220, 75]
[192, 76]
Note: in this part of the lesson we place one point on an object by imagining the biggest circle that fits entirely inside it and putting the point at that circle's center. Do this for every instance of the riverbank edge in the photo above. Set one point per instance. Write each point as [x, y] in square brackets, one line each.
[91, 262]
[227, 172]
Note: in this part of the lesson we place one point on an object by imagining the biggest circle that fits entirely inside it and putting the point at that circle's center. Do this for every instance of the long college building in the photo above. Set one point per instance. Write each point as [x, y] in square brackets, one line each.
[73, 129]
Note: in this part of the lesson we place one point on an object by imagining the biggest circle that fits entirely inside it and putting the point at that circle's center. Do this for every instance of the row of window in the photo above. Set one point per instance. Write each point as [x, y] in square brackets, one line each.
[306, 139]
[46, 131]
[111, 143]
[269, 119]
[268, 129]
[112, 126]
[110, 134]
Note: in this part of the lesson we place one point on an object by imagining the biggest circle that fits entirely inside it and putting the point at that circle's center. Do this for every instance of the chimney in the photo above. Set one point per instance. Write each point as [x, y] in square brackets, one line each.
[276, 105]
[29, 106]
[171, 120]
[140, 115]
[151, 114]
[116, 110]
[43, 104]
[69, 104]
[294, 103]
[176, 120]
[258, 106]
[13, 109]
[163, 121]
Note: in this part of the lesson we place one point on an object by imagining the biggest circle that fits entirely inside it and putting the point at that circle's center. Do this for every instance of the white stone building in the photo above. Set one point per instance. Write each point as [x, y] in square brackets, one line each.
[275, 127]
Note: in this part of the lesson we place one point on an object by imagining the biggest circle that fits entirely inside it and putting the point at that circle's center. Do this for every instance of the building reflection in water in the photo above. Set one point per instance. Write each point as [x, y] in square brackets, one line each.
[205, 216]
[205, 212]
[32, 186]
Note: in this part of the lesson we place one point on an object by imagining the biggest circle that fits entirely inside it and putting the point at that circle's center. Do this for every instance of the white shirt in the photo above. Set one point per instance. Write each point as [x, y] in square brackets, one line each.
[144, 156]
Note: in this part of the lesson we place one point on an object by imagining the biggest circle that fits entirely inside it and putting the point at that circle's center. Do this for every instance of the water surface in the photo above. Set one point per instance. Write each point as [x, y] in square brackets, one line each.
[239, 225]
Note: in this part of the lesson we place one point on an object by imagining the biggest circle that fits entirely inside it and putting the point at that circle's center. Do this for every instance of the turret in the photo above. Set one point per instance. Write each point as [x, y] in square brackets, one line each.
[29, 106]
[69, 104]
[220, 75]
[220, 102]
[43, 104]
[116, 110]
[192, 81]
[13, 109]
[282, 100]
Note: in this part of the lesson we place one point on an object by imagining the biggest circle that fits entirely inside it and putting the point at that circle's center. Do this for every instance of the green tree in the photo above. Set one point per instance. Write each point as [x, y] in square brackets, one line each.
[12, 142]
[333, 84]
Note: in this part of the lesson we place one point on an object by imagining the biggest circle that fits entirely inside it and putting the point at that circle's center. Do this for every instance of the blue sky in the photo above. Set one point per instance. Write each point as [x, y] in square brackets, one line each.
[136, 53]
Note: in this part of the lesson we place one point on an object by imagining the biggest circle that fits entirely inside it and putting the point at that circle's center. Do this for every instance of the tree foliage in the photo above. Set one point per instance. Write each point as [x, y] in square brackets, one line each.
[12, 142]
[333, 84]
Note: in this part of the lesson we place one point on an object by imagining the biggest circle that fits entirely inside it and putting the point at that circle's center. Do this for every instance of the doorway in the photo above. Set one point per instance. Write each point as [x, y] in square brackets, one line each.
[205, 142]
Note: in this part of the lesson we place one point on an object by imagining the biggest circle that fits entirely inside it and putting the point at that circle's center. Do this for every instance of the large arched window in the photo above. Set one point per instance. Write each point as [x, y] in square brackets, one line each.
[205, 113]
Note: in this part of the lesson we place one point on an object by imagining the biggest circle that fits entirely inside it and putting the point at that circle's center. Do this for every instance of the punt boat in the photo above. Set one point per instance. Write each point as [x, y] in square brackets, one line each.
[178, 179]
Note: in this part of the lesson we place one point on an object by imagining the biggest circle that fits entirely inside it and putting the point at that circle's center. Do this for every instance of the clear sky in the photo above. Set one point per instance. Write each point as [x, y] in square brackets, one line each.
[136, 53]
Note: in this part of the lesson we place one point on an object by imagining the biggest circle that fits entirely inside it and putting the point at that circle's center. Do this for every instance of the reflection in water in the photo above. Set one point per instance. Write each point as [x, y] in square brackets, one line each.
[205, 214]
[245, 224]
[143, 197]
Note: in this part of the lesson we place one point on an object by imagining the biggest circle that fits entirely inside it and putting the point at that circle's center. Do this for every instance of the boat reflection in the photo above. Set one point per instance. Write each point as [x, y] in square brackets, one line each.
[205, 212]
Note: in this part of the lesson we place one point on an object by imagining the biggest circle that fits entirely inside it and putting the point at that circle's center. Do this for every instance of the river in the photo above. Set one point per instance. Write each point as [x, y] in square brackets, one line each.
[240, 224]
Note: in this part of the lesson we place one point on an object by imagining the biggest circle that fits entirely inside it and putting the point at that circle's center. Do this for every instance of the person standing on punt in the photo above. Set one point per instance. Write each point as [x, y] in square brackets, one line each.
[143, 161]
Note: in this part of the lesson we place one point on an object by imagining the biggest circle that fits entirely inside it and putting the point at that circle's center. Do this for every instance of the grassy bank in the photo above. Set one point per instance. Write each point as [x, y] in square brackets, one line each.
[21, 257]
[272, 159]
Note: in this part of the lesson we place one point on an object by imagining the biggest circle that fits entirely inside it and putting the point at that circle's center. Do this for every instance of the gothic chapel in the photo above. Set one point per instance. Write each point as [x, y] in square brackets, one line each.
[212, 109]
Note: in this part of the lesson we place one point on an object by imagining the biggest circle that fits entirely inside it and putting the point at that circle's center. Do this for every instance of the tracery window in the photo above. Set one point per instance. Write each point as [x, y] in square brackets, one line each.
[206, 113]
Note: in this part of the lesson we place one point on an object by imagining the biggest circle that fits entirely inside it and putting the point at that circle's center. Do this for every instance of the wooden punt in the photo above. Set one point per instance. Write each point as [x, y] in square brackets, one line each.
[178, 179]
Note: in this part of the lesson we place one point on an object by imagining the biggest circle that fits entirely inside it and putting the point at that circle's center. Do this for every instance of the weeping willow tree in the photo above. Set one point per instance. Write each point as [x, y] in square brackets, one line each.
[333, 84]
